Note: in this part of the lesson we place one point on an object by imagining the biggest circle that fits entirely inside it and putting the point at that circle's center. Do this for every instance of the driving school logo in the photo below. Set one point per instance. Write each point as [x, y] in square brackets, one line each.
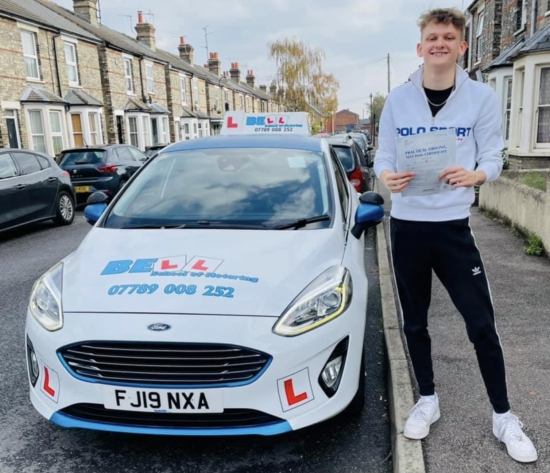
[182, 266]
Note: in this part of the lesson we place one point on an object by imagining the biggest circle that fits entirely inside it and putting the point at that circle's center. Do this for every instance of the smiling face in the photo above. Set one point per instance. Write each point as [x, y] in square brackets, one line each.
[441, 45]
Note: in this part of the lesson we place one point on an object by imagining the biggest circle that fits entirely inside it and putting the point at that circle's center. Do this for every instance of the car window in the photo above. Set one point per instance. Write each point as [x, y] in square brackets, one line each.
[72, 158]
[360, 156]
[7, 166]
[345, 157]
[44, 163]
[137, 155]
[247, 186]
[124, 154]
[341, 183]
[28, 163]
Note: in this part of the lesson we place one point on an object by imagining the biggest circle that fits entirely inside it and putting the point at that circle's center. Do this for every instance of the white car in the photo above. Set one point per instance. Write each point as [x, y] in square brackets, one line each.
[222, 292]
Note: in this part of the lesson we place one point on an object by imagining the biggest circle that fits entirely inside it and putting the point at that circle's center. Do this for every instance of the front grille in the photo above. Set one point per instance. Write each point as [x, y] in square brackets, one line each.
[172, 364]
[228, 418]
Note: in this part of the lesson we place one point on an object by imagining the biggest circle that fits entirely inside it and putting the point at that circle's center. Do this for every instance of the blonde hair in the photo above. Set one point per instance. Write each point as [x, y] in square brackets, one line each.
[447, 16]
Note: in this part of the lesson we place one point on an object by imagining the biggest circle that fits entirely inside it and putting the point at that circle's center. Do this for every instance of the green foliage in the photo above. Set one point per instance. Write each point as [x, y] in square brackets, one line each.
[535, 247]
[535, 180]
[505, 160]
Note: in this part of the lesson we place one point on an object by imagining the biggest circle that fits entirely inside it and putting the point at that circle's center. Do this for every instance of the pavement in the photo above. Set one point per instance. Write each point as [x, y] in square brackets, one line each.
[462, 440]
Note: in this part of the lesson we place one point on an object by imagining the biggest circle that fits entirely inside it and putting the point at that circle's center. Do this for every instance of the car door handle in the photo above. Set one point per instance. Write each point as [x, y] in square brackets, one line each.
[20, 186]
[52, 179]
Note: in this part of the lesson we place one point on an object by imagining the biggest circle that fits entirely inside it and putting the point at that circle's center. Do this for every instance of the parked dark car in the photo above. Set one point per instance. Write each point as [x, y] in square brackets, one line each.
[101, 168]
[33, 188]
[150, 151]
[352, 159]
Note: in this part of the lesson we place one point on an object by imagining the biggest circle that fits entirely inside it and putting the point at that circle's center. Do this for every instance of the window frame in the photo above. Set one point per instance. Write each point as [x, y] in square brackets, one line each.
[133, 133]
[538, 106]
[34, 37]
[508, 82]
[56, 134]
[340, 175]
[32, 134]
[150, 80]
[479, 36]
[70, 64]
[196, 97]
[14, 166]
[129, 76]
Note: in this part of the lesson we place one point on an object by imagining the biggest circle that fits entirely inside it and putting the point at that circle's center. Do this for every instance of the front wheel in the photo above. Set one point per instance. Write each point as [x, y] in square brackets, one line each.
[64, 209]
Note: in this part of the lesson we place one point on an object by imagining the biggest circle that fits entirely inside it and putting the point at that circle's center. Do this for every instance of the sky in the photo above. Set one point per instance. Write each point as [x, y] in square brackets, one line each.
[355, 35]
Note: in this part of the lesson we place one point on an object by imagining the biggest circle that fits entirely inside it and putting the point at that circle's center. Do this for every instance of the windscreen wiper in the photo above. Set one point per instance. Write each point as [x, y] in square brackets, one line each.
[301, 222]
[198, 224]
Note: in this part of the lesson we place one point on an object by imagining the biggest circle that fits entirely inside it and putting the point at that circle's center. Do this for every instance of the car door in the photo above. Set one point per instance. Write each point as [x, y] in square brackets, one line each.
[13, 197]
[41, 185]
[51, 181]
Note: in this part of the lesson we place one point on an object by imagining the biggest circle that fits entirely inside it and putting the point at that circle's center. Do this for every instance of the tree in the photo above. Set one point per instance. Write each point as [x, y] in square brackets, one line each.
[376, 106]
[301, 78]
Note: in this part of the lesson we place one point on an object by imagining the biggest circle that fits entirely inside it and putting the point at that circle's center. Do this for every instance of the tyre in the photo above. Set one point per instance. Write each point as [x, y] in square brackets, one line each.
[64, 209]
[356, 405]
[122, 184]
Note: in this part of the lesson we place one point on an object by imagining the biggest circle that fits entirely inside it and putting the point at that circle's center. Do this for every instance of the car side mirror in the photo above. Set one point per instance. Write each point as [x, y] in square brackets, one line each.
[367, 216]
[97, 197]
[93, 212]
[370, 148]
[371, 198]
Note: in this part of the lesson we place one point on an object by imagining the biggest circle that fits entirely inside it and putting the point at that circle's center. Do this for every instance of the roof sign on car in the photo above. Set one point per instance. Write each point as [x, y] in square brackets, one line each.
[240, 123]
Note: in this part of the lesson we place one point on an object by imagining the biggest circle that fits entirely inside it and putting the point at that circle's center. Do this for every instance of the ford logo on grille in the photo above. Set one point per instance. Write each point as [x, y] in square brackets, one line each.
[159, 327]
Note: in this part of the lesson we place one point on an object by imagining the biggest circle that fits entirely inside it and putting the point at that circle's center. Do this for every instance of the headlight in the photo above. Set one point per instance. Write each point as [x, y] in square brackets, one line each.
[322, 301]
[45, 302]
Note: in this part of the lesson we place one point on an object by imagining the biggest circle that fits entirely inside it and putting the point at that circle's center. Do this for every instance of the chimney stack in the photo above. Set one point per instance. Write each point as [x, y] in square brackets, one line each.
[214, 64]
[87, 10]
[235, 72]
[251, 79]
[273, 89]
[187, 52]
[146, 33]
[263, 88]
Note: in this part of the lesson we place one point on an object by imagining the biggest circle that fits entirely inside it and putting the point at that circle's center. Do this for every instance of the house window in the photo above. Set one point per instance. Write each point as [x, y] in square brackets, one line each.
[165, 136]
[521, 85]
[196, 101]
[521, 15]
[479, 37]
[183, 83]
[57, 131]
[150, 78]
[186, 131]
[195, 129]
[146, 130]
[12, 124]
[129, 75]
[78, 133]
[543, 110]
[508, 105]
[72, 66]
[93, 120]
[38, 138]
[242, 102]
[30, 53]
[133, 131]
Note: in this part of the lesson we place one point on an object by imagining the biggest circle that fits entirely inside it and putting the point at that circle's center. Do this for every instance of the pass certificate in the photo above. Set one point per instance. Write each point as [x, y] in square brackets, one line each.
[427, 155]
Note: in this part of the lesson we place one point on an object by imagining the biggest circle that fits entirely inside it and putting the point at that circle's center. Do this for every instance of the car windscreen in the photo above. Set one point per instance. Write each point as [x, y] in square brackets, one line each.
[345, 156]
[72, 158]
[256, 186]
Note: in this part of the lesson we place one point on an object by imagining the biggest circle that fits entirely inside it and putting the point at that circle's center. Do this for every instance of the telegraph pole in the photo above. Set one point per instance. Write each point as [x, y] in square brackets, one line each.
[389, 82]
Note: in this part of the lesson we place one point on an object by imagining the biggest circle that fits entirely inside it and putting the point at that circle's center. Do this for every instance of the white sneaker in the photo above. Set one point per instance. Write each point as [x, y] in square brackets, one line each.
[507, 429]
[424, 413]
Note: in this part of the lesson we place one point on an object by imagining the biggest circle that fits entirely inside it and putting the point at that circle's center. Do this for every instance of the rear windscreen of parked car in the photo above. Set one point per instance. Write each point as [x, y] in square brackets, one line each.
[82, 157]
[345, 157]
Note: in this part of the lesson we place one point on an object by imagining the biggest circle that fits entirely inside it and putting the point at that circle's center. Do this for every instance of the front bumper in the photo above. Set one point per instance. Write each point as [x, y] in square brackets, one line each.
[300, 359]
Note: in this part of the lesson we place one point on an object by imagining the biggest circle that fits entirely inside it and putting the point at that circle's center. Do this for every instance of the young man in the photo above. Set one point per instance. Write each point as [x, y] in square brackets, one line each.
[432, 232]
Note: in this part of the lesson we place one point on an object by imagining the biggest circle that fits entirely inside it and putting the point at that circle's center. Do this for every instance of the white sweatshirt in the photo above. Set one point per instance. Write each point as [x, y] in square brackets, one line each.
[473, 111]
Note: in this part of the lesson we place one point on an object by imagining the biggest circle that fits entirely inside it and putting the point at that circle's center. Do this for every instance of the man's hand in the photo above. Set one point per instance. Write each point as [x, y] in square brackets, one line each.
[396, 181]
[457, 176]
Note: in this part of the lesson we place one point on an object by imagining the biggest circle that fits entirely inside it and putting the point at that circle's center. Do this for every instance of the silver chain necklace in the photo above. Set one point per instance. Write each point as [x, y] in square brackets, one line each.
[442, 103]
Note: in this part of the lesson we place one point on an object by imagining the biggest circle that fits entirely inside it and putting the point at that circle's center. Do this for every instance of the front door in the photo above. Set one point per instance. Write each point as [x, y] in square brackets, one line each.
[119, 130]
[78, 135]
[13, 128]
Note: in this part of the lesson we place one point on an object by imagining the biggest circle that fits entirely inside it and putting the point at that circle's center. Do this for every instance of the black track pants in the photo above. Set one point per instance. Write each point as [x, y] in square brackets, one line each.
[449, 249]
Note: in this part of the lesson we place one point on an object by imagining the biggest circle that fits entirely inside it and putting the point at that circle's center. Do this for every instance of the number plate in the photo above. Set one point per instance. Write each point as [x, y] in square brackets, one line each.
[162, 400]
[82, 189]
